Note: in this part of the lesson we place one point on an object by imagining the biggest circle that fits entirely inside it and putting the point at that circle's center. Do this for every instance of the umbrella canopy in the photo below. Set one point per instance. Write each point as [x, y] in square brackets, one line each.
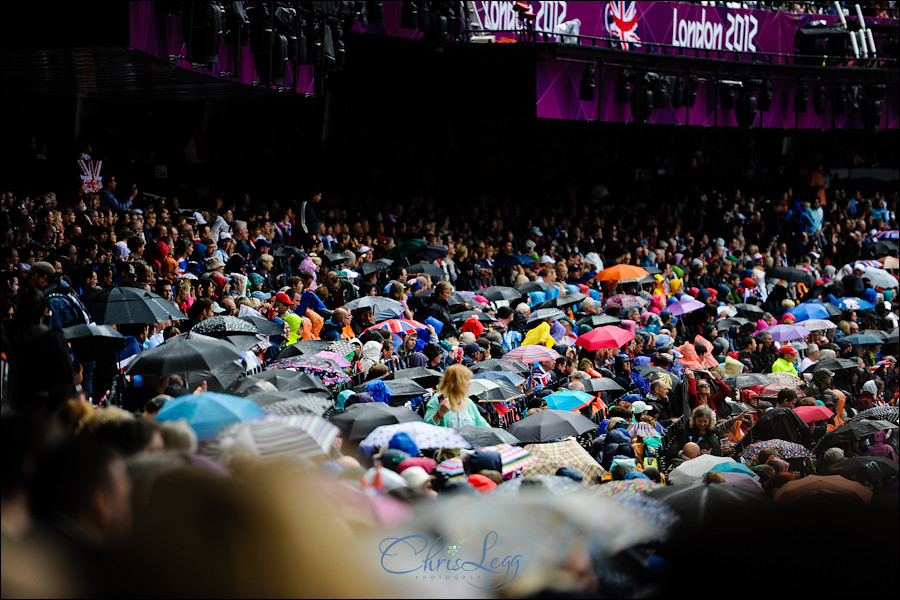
[121, 305]
[306, 436]
[890, 262]
[653, 373]
[424, 435]
[880, 278]
[263, 326]
[551, 314]
[321, 368]
[749, 483]
[786, 333]
[790, 274]
[482, 316]
[291, 403]
[406, 248]
[399, 326]
[185, 353]
[493, 391]
[745, 380]
[626, 486]
[787, 379]
[423, 376]
[608, 336]
[221, 326]
[685, 306]
[335, 358]
[245, 341]
[531, 354]
[512, 459]
[751, 311]
[208, 413]
[876, 470]
[569, 299]
[818, 324]
[551, 424]
[556, 485]
[534, 286]
[701, 504]
[568, 453]
[91, 340]
[303, 348]
[403, 390]
[833, 364]
[770, 391]
[428, 268]
[384, 308]
[693, 470]
[861, 339]
[881, 248]
[568, 400]
[624, 301]
[284, 380]
[598, 321]
[359, 420]
[495, 293]
[380, 264]
[509, 377]
[856, 430]
[502, 364]
[822, 484]
[785, 450]
[809, 310]
[601, 384]
[883, 413]
[486, 436]
[621, 273]
[430, 253]
[729, 322]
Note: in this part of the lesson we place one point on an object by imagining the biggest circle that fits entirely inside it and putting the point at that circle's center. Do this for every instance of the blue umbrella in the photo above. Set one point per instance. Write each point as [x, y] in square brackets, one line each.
[862, 339]
[734, 467]
[568, 400]
[513, 260]
[508, 376]
[851, 303]
[809, 310]
[208, 413]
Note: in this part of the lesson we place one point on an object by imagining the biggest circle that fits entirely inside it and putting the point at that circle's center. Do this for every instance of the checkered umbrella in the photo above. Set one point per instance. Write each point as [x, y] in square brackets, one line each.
[553, 456]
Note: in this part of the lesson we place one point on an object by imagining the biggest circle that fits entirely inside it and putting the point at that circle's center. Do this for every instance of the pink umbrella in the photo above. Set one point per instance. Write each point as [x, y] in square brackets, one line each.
[334, 357]
[608, 336]
[531, 354]
[811, 414]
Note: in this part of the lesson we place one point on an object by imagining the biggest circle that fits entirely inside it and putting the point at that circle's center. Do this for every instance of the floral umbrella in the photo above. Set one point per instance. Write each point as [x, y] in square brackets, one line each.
[786, 450]
[321, 368]
[625, 301]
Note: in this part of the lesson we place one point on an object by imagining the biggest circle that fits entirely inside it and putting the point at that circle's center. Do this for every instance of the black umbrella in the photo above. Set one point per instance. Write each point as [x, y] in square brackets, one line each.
[751, 311]
[243, 341]
[403, 390]
[884, 413]
[381, 264]
[264, 326]
[303, 348]
[880, 249]
[359, 420]
[854, 430]
[866, 469]
[482, 316]
[335, 258]
[703, 504]
[183, 354]
[285, 380]
[283, 403]
[729, 322]
[653, 373]
[601, 384]
[745, 380]
[561, 301]
[428, 268]
[93, 340]
[121, 305]
[429, 253]
[832, 364]
[858, 339]
[550, 424]
[421, 375]
[880, 334]
[598, 321]
[893, 337]
[497, 364]
[534, 286]
[790, 274]
[480, 437]
[495, 391]
[500, 292]
[545, 313]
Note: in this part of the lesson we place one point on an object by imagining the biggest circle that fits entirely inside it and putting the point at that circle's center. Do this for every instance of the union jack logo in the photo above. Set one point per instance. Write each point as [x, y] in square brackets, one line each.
[90, 175]
[621, 22]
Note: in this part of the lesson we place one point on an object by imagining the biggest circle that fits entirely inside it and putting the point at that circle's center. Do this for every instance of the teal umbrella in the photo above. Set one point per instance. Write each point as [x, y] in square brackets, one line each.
[568, 400]
[208, 413]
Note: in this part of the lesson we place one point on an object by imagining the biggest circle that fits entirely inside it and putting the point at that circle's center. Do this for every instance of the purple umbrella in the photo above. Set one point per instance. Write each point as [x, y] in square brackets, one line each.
[786, 333]
[335, 357]
[683, 307]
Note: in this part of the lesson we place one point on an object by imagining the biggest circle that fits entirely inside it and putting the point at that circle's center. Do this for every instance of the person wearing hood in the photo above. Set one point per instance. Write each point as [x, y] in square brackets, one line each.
[878, 447]
[371, 354]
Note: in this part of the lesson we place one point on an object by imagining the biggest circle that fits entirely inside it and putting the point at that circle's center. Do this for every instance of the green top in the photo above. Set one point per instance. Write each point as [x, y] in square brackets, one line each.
[470, 416]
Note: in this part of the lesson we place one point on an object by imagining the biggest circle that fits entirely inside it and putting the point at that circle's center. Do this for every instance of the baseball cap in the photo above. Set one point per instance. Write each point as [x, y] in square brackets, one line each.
[787, 350]
[217, 309]
[282, 297]
[757, 256]
[42, 267]
[472, 348]
[224, 235]
[638, 407]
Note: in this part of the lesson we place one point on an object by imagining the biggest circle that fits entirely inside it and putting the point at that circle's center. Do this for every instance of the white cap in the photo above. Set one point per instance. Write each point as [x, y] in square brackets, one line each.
[415, 476]
[224, 235]
[547, 260]
[365, 249]
[639, 406]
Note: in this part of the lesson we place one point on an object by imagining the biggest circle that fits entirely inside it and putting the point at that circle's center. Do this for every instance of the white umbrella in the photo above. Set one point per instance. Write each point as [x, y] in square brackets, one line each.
[693, 470]
[818, 324]
[880, 278]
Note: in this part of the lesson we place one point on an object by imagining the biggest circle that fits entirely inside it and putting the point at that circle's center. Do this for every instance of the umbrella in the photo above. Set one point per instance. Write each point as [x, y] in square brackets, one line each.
[785, 450]
[563, 301]
[556, 485]
[502, 364]
[337, 359]
[384, 308]
[745, 380]
[751, 311]
[884, 413]
[359, 420]
[861, 339]
[336, 258]
[220, 326]
[866, 469]
[380, 264]
[685, 306]
[121, 305]
[880, 248]
[568, 400]
[421, 375]
[493, 391]
[851, 303]
[771, 390]
[512, 459]
[91, 340]
[833, 364]
[742, 481]
[185, 353]
[833, 311]
[705, 505]
[653, 373]
[209, 412]
[626, 486]
[306, 436]
[495, 293]
[246, 342]
[624, 301]
[822, 484]
[303, 347]
[482, 316]
[550, 424]
[818, 324]
[424, 435]
[601, 384]
[890, 262]
[568, 453]
[621, 273]
[406, 248]
[486, 436]
[513, 260]
[399, 326]
[879, 333]
[428, 268]
[787, 379]
[509, 377]
[693, 470]
[811, 414]
[598, 320]
[430, 253]
[534, 286]
[324, 370]
[531, 354]
[729, 322]
[809, 310]
[880, 278]
[285, 380]
[887, 234]
[403, 390]
[299, 402]
[856, 430]
[786, 333]
[734, 467]
[608, 336]
[790, 274]
[551, 314]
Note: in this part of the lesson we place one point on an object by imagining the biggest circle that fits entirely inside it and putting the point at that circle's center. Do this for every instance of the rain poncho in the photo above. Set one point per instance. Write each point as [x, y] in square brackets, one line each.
[539, 336]
[295, 323]
[371, 354]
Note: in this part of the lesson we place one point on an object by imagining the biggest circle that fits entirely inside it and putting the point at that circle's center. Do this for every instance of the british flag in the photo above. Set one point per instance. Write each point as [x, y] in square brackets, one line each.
[90, 174]
[621, 22]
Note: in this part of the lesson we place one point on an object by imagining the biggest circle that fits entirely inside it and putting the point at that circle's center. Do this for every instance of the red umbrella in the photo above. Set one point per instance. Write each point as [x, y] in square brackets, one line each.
[811, 414]
[609, 336]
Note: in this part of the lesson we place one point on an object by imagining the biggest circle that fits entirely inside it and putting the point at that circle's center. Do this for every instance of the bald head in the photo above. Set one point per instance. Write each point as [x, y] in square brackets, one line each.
[690, 450]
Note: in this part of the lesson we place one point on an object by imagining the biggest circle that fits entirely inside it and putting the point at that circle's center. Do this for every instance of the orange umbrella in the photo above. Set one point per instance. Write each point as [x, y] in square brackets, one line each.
[890, 262]
[623, 273]
[818, 484]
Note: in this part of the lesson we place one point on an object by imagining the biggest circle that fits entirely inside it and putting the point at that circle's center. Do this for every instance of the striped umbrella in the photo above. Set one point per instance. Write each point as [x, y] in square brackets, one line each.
[866, 264]
[683, 307]
[531, 354]
[308, 436]
[513, 458]
[891, 234]
[621, 273]
[399, 326]
[423, 434]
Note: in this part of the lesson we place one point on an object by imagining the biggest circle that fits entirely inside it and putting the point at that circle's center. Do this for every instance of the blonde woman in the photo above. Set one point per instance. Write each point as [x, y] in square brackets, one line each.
[450, 406]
